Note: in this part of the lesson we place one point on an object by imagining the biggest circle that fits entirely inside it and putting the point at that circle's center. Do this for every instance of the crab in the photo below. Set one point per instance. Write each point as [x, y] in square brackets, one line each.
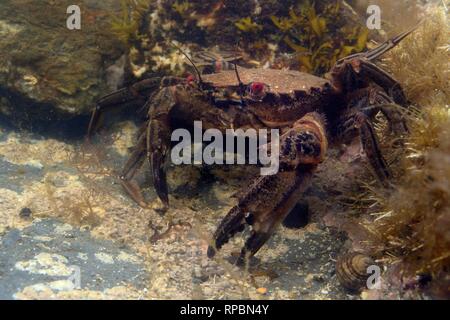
[310, 112]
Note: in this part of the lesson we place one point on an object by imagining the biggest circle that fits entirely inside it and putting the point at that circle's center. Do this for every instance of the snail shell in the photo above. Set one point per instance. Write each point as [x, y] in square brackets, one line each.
[351, 270]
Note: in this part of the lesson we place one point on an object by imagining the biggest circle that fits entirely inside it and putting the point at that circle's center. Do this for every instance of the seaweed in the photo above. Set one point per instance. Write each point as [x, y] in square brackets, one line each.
[126, 25]
[248, 25]
[182, 8]
[315, 33]
[412, 221]
[316, 39]
[83, 211]
[421, 63]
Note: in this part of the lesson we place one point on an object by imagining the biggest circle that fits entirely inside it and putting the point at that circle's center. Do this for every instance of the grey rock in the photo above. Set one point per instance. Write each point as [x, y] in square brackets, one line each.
[48, 72]
[98, 260]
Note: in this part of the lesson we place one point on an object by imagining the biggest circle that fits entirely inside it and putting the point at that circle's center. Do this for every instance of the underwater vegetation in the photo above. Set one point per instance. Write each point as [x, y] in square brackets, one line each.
[182, 8]
[126, 24]
[412, 223]
[313, 35]
[248, 25]
[422, 65]
[317, 37]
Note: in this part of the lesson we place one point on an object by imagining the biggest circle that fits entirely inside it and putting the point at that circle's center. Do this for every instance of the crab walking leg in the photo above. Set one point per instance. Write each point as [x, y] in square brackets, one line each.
[370, 71]
[347, 76]
[269, 199]
[353, 69]
[384, 47]
[397, 123]
[371, 147]
[136, 94]
[132, 94]
[373, 100]
[361, 122]
[392, 113]
[131, 167]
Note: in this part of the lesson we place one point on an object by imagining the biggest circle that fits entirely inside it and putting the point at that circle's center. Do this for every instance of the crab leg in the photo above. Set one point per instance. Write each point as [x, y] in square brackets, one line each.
[364, 106]
[346, 77]
[138, 93]
[370, 71]
[383, 48]
[131, 167]
[371, 147]
[397, 124]
[153, 143]
[132, 94]
[350, 71]
[267, 201]
[360, 121]
[373, 100]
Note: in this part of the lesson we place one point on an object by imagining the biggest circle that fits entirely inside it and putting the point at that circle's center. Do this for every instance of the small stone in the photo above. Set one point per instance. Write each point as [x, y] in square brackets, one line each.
[261, 290]
[318, 278]
[312, 256]
[25, 213]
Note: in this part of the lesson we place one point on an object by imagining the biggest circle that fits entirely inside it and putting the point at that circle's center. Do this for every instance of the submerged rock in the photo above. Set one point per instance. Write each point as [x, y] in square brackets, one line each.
[49, 73]
[52, 260]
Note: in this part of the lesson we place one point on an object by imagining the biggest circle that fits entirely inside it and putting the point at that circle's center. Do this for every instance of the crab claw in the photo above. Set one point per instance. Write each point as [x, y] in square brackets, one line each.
[265, 204]
[233, 223]
[269, 199]
[158, 140]
[159, 177]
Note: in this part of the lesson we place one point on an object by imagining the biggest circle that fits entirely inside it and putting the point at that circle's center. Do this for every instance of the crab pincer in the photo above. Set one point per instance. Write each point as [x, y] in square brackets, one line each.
[269, 199]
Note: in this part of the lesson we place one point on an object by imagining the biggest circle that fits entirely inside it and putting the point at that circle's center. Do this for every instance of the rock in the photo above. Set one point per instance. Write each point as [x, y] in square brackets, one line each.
[261, 291]
[25, 213]
[49, 73]
[84, 264]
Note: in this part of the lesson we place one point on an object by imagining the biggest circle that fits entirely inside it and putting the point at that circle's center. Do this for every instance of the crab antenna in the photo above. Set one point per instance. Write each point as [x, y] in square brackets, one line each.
[190, 60]
[241, 84]
[237, 75]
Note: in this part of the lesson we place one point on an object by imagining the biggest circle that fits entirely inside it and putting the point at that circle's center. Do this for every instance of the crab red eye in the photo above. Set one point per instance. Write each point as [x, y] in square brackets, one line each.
[190, 78]
[257, 88]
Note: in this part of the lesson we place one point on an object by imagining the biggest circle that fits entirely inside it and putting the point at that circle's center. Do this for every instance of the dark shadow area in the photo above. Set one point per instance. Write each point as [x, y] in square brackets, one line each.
[43, 119]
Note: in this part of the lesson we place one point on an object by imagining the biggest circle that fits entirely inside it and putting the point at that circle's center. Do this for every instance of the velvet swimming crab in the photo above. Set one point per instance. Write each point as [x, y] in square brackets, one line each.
[309, 111]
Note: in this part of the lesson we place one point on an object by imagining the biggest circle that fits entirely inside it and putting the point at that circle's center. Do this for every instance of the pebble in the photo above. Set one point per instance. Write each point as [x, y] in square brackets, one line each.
[25, 213]
[261, 290]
